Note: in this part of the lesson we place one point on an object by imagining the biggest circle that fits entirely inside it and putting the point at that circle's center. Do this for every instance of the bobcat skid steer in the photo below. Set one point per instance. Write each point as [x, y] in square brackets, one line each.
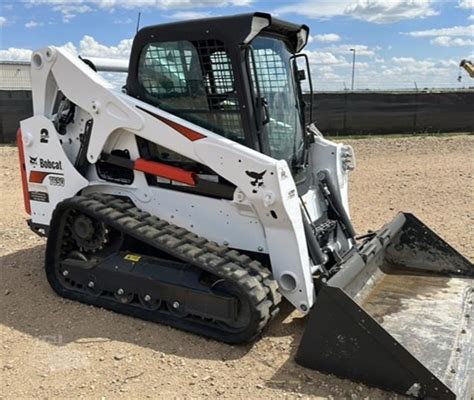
[200, 195]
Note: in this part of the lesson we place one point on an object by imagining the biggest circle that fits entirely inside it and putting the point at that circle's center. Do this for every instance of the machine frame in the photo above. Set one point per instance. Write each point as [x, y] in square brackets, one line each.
[272, 212]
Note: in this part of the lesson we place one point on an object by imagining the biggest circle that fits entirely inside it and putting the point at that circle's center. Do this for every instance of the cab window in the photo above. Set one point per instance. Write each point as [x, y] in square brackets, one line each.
[193, 80]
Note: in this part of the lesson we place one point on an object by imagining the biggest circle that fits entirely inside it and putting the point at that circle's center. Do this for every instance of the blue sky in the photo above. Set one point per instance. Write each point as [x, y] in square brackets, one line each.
[397, 42]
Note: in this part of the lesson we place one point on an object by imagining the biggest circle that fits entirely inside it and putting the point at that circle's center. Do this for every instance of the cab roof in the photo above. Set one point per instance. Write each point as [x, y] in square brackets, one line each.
[241, 28]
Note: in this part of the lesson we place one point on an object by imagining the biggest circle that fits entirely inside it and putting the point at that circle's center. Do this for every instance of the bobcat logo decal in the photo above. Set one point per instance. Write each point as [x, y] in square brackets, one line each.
[257, 179]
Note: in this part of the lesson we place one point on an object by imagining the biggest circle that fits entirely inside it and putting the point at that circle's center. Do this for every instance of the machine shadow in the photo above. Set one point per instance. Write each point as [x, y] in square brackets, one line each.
[291, 377]
[29, 305]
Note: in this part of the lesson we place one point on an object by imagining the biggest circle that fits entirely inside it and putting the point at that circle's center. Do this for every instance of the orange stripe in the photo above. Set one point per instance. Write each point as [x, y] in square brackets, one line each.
[37, 176]
[165, 171]
[24, 183]
[189, 133]
[186, 132]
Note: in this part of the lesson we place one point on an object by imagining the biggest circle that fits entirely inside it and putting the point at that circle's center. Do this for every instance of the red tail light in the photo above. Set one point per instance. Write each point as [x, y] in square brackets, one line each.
[24, 182]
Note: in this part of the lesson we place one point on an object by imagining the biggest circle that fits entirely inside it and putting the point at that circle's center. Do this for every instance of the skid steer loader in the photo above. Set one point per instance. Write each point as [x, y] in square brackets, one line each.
[200, 195]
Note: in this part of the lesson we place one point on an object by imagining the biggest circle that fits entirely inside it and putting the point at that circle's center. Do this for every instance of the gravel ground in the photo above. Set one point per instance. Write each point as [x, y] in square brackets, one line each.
[55, 348]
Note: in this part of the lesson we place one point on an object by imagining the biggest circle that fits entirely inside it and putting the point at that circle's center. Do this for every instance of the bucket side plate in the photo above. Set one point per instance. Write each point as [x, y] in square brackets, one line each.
[397, 315]
[342, 339]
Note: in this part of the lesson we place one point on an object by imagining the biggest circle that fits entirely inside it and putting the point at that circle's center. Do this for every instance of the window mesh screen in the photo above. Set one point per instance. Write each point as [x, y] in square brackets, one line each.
[271, 73]
[194, 80]
[166, 65]
[274, 86]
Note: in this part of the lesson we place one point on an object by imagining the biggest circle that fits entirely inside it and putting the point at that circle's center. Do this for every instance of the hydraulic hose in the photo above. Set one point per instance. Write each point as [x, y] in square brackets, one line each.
[326, 179]
[314, 249]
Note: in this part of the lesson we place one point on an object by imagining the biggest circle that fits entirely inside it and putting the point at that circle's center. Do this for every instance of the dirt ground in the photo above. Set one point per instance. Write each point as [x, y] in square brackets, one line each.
[55, 348]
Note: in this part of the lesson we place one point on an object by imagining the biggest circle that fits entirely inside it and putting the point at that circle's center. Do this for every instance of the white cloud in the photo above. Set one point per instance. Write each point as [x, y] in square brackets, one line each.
[359, 65]
[375, 11]
[455, 36]
[331, 76]
[322, 10]
[471, 17]
[393, 73]
[71, 8]
[326, 37]
[452, 31]
[89, 47]
[70, 11]
[3, 21]
[33, 24]
[331, 70]
[187, 15]
[324, 58]
[386, 12]
[448, 63]
[15, 54]
[361, 49]
[70, 47]
[325, 68]
[467, 4]
[447, 41]
[162, 4]
[412, 62]
[117, 79]
[169, 4]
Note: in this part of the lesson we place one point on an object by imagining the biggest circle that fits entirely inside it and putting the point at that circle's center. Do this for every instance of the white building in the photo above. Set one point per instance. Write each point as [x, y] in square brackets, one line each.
[15, 75]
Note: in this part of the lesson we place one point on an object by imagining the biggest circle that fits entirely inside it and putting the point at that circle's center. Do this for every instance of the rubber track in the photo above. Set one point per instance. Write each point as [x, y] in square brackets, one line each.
[218, 260]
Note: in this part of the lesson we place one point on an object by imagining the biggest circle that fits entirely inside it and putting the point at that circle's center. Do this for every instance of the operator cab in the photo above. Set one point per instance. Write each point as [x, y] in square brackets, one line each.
[236, 76]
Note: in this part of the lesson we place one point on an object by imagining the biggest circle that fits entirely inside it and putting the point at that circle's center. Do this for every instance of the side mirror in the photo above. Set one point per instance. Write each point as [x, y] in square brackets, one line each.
[301, 75]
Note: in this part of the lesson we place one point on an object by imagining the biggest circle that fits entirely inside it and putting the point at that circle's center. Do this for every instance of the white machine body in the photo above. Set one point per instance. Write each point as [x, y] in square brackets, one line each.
[267, 220]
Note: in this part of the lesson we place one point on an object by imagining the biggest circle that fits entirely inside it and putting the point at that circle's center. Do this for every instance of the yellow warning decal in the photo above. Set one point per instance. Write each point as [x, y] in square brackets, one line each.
[132, 257]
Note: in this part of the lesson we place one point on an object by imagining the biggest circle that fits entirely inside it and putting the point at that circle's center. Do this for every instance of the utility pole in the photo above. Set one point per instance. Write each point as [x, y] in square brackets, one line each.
[353, 67]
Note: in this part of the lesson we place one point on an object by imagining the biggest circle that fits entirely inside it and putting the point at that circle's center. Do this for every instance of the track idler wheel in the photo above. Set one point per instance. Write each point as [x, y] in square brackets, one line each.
[176, 308]
[93, 287]
[149, 302]
[123, 297]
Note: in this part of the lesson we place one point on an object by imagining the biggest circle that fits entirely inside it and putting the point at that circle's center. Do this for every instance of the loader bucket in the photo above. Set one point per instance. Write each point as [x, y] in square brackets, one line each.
[396, 315]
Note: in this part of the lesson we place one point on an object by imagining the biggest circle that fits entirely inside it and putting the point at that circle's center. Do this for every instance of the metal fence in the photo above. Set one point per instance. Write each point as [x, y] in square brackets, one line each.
[366, 113]
[335, 113]
[15, 105]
